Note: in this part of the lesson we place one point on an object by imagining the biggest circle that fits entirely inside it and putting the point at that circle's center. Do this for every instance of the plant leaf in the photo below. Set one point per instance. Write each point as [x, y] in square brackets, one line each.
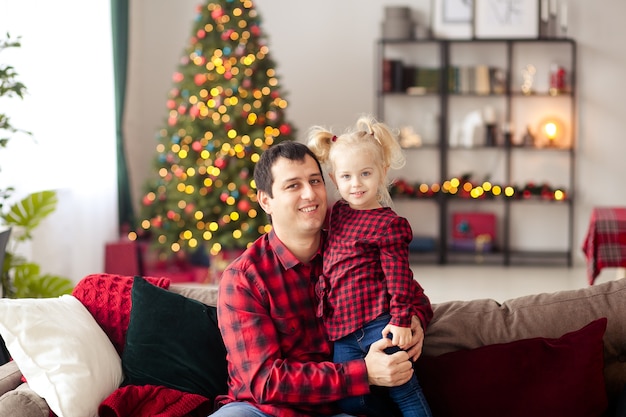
[30, 211]
[29, 284]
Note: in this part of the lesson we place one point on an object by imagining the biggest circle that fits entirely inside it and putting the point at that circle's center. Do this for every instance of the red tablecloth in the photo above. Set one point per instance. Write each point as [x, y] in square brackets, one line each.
[605, 243]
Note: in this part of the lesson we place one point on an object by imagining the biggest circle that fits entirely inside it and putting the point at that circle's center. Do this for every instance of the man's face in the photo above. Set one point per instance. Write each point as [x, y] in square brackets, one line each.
[298, 208]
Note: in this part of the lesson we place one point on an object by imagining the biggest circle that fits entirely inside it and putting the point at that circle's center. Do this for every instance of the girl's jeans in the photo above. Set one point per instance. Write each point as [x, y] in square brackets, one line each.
[409, 397]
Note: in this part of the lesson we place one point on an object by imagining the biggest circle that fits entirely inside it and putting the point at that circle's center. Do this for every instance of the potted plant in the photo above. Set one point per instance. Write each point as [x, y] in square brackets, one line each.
[21, 278]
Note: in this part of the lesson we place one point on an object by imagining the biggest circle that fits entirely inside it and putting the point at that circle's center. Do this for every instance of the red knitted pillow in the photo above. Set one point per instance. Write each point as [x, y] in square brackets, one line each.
[107, 298]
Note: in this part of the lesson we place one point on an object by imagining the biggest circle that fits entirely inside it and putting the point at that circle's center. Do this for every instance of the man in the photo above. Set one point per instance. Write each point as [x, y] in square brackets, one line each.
[279, 359]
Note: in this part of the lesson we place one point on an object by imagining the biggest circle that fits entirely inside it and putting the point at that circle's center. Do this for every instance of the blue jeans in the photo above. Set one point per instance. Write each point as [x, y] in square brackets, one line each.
[408, 397]
[246, 410]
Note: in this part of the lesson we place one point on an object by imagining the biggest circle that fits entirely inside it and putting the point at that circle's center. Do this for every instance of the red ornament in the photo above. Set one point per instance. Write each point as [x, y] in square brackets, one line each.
[224, 197]
[196, 146]
[178, 77]
[157, 222]
[182, 109]
[171, 104]
[255, 30]
[194, 111]
[200, 34]
[217, 13]
[285, 129]
[226, 34]
[243, 206]
[220, 163]
[146, 201]
[199, 79]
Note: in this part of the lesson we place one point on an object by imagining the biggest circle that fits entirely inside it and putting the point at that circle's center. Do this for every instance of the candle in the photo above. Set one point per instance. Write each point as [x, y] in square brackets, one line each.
[563, 13]
[553, 7]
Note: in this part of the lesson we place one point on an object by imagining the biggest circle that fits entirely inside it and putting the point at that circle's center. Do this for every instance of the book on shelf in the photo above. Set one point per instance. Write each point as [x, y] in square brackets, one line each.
[415, 80]
[394, 76]
[479, 79]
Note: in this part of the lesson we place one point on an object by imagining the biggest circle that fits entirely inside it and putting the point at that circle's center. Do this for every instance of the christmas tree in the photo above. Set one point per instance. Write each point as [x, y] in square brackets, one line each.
[224, 110]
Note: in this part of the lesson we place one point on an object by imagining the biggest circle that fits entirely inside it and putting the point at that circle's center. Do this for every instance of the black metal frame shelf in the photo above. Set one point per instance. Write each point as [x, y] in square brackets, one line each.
[512, 97]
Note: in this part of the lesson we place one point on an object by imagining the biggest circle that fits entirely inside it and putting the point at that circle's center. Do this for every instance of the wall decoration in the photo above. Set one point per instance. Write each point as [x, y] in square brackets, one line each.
[501, 19]
[452, 19]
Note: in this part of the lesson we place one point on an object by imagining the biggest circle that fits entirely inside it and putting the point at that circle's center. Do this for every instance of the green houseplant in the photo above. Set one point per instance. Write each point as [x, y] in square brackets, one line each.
[21, 278]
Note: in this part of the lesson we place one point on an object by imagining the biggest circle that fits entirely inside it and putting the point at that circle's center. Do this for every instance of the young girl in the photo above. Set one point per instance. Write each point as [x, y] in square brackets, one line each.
[367, 290]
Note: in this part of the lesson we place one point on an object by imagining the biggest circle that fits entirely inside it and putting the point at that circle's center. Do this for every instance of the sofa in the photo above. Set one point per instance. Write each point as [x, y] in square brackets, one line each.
[551, 354]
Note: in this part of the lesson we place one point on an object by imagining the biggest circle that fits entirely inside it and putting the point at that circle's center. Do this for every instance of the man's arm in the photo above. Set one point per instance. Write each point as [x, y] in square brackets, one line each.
[279, 360]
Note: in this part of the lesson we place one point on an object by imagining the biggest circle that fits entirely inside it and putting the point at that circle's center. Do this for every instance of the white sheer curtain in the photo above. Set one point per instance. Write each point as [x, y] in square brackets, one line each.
[66, 64]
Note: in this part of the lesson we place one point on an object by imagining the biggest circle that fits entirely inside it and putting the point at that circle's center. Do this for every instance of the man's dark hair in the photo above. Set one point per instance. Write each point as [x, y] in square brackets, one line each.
[294, 151]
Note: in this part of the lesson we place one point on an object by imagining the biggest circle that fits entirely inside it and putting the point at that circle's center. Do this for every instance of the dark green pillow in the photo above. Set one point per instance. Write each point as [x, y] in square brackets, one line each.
[173, 341]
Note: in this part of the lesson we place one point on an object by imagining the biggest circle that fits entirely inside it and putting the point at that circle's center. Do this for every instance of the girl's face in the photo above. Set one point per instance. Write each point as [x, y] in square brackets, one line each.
[357, 176]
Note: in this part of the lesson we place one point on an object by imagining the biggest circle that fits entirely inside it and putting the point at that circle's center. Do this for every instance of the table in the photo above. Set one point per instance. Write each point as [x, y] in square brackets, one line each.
[605, 243]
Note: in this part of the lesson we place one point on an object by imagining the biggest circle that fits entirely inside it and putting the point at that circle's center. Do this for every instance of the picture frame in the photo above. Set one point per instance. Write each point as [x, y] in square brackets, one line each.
[506, 19]
[452, 19]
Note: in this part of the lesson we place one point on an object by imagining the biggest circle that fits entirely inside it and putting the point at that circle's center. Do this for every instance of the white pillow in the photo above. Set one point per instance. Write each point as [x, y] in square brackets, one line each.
[62, 352]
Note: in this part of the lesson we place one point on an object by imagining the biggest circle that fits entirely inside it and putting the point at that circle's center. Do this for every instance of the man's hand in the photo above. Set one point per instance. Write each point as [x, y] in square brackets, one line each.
[387, 370]
[417, 341]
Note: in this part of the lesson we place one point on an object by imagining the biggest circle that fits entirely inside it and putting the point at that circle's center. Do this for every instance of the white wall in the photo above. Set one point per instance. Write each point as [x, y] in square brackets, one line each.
[325, 54]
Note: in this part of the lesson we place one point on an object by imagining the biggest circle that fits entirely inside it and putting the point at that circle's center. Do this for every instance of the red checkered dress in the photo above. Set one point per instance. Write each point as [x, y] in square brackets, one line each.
[367, 273]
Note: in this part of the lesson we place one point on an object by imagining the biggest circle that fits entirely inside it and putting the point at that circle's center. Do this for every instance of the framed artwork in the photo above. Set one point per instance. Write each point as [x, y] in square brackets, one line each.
[511, 19]
[452, 19]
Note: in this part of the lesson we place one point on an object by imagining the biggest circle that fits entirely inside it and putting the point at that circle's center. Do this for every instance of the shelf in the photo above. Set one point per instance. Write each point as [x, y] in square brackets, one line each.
[475, 40]
[545, 258]
[478, 258]
[506, 163]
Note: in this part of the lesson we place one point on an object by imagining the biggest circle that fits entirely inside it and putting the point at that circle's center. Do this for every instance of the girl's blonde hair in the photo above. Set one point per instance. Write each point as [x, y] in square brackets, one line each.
[367, 135]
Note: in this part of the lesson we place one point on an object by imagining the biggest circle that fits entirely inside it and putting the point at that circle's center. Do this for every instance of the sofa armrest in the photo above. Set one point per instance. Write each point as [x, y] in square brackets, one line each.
[10, 377]
[23, 402]
[16, 398]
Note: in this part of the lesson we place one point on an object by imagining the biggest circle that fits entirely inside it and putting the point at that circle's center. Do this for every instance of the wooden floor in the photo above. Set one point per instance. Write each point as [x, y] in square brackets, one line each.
[467, 282]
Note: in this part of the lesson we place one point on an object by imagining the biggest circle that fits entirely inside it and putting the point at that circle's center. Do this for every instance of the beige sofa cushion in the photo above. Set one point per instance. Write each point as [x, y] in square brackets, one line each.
[10, 377]
[466, 325]
[206, 294]
[23, 401]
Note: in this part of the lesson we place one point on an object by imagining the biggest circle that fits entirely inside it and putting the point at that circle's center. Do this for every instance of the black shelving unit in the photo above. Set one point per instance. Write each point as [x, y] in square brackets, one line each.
[510, 103]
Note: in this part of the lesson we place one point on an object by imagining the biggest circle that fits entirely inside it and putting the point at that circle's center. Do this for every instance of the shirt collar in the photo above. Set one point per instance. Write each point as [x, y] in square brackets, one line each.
[284, 255]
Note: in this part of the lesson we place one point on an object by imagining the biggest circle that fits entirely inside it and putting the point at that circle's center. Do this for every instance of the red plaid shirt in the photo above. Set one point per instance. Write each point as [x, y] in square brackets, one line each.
[367, 273]
[279, 357]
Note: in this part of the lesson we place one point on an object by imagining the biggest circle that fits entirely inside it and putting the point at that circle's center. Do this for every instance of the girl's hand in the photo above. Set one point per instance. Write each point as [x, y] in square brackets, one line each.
[401, 336]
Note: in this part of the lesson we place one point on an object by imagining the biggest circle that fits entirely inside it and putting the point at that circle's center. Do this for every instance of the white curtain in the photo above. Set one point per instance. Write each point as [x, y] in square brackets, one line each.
[66, 64]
